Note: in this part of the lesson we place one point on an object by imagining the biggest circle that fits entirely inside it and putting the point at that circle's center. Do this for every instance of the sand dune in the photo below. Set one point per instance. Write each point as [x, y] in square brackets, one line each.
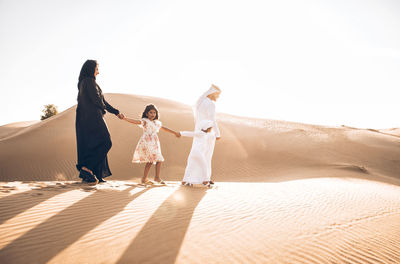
[250, 150]
[10, 130]
[285, 193]
[391, 131]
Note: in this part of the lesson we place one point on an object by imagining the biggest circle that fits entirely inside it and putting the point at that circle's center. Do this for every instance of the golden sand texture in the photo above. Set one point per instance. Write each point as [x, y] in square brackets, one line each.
[12, 129]
[318, 220]
[250, 149]
[285, 193]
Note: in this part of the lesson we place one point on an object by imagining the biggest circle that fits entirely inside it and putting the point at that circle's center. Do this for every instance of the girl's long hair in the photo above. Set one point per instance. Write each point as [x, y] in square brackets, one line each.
[148, 108]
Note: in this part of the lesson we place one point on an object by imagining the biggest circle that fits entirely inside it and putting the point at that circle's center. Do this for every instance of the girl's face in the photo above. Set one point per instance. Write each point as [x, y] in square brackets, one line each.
[214, 96]
[151, 114]
[96, 71]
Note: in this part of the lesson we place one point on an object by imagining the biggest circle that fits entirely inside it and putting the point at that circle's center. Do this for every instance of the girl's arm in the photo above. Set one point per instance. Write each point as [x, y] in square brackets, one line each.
[170, 131]
[133, 121]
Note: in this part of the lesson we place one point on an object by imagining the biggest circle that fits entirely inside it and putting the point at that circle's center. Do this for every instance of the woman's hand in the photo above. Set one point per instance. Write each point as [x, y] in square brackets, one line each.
[121, 116]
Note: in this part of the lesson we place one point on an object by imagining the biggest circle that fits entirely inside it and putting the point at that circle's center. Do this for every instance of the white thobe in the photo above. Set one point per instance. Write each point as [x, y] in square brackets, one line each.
[198, 168]
[206, 111]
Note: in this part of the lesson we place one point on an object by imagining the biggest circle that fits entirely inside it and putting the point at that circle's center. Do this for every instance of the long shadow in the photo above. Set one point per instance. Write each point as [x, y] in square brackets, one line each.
[15, 204]
[161, 238]
[45, 241]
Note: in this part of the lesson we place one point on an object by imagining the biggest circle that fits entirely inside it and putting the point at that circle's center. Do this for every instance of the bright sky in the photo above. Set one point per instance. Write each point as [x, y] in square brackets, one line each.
[321, 62]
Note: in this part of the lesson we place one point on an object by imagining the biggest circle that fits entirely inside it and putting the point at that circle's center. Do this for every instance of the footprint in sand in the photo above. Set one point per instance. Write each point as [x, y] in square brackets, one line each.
[9, 187]
[89, 189]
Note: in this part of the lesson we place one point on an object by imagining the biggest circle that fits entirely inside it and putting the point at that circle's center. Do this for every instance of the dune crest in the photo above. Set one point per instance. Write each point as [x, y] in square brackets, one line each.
[251, 149]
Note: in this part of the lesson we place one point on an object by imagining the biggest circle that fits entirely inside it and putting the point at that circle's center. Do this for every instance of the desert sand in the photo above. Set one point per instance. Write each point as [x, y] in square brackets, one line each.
[285, 193]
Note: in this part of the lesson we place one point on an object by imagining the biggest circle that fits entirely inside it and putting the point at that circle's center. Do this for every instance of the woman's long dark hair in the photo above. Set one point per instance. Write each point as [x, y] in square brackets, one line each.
[148, 108]
[87, 71]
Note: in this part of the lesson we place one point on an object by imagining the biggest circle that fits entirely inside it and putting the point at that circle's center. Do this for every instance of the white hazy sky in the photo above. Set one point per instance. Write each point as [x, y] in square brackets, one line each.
[322, 62]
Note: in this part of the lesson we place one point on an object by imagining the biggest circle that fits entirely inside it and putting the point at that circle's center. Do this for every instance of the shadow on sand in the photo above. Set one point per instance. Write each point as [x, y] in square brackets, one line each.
[46, 240]
[28, 199]
[165, 230]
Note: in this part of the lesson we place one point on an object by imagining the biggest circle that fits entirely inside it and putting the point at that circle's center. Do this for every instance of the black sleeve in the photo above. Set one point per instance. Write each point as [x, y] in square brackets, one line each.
[93, 94]
[109, 108]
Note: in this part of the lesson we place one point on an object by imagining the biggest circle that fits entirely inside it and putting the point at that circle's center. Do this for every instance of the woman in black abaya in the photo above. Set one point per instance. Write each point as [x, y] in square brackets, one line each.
[92, 136]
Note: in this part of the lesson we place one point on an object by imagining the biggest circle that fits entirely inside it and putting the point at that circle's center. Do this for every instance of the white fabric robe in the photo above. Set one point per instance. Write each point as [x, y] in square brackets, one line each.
[206, 111]
[198, 168]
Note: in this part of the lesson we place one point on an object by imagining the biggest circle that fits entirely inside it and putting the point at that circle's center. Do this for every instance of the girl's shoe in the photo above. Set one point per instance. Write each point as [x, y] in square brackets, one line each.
[188, 184]
[160, 182]
[148, 182]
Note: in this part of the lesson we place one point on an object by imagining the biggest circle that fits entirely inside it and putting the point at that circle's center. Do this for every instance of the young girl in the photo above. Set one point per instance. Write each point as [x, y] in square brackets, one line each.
[198, 169]
[148, 149]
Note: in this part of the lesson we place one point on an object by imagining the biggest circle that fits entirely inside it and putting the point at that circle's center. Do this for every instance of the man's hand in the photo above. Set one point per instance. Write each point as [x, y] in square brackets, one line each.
[121, 116]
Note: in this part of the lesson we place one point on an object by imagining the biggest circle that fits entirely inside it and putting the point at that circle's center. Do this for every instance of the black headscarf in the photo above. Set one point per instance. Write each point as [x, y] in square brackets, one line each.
[87, 70]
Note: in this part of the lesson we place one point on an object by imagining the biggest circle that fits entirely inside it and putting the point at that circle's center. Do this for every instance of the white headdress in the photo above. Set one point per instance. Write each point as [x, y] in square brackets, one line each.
[201, 99]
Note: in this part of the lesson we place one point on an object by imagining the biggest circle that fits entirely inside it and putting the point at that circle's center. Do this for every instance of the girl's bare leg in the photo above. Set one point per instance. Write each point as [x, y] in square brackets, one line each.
[158, 170]
[146, 172]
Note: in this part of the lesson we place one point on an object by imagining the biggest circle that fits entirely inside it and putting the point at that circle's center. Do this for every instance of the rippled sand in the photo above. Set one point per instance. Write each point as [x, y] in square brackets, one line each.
[303, 221]
[285, 193]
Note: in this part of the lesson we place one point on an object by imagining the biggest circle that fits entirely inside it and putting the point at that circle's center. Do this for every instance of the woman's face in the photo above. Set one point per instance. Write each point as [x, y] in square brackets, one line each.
[151, 114]
[96, 71]
[214, 96]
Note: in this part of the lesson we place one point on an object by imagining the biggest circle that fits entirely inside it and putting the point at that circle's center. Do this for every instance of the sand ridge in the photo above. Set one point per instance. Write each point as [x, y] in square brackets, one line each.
[267, 150]
[285, 193]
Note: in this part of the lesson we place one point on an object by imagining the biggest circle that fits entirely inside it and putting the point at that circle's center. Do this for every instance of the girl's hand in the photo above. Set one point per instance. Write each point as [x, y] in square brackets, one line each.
[218, 138]
[177, 134]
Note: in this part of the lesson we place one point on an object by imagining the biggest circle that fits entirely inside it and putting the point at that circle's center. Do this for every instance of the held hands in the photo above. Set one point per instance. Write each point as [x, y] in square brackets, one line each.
[121, 116]
[177, 134]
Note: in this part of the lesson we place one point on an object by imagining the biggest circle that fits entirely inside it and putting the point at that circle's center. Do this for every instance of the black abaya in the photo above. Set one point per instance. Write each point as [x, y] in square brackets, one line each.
[92, 136]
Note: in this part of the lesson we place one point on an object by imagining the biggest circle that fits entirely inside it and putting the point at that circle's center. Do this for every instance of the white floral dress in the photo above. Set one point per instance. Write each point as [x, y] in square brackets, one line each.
[148, 148]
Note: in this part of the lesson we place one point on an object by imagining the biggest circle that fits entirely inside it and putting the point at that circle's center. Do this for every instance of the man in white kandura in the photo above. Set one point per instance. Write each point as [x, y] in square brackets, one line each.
[204, 111]
[198, 163]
